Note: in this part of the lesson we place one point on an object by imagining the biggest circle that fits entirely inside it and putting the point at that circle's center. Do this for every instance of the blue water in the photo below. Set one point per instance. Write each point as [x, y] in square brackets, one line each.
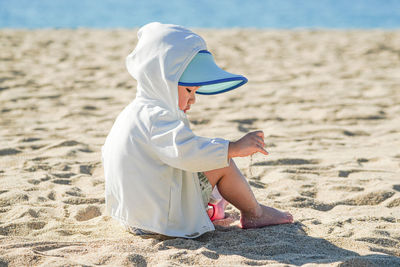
[281, 14]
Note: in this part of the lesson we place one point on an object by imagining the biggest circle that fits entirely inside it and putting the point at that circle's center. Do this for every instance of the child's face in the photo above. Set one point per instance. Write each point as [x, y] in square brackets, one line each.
[186, 96]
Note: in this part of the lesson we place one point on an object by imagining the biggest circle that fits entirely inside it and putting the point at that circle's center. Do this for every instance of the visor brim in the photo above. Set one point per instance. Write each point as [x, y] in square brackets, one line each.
[202, 71]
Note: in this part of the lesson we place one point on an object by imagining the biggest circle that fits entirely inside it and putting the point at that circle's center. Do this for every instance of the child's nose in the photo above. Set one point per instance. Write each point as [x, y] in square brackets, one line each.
[192, 99]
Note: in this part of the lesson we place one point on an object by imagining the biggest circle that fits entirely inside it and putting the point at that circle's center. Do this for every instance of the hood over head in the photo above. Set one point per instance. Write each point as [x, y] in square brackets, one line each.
[159, 59]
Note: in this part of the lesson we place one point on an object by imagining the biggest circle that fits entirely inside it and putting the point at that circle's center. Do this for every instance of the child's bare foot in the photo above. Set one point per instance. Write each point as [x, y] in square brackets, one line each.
[267, 216]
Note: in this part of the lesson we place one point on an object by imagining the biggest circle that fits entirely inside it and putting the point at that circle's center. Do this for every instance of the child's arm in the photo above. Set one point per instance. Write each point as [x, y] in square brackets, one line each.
[247, 145]
[176, 145]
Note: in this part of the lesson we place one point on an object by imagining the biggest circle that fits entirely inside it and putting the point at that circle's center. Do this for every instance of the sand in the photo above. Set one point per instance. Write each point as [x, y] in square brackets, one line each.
[327, 101]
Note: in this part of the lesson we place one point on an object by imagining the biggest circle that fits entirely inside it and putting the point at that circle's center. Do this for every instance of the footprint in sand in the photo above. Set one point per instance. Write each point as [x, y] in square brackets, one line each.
[75, 191]
[86, 169]
[372, 198]
[257, 184]
[347, 188]
[21, 228]
[63, 178]
[51, 195]
[307, 202]
[62, 181]
[9, 151]
[294, 161]
[312, 193]
[394, 203]
[71, 143]
[30, 139]
[11, 198]
[136, 260]
[81, 200]
[34, 181]
[344, 174]
[355, 133]
[63, 174]
[88, 107]
[88, 213]
[381, 241]
[66, 143]
[199, 121]
[245, 125]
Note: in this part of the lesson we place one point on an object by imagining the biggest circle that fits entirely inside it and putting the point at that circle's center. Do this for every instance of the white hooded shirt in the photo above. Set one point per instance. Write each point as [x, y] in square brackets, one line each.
[151, 157]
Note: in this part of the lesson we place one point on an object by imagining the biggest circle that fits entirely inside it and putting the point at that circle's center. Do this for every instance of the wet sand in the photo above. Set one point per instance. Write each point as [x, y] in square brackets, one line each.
[327, 101]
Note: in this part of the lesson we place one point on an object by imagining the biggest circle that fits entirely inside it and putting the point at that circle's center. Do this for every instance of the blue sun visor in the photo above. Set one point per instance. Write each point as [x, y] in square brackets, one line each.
[202, 71]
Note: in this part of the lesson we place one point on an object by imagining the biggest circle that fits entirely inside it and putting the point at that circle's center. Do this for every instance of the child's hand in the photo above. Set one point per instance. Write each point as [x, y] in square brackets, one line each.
[247, 145]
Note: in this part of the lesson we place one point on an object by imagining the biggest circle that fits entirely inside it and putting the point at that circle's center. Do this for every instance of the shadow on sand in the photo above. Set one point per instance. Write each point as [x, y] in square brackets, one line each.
[285, 244]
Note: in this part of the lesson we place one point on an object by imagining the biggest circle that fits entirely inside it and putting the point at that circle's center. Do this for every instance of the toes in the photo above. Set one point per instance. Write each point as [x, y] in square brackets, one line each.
[289, 216]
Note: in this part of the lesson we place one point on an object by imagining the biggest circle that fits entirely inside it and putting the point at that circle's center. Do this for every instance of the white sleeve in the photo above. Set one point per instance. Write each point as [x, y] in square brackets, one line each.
[177, 146]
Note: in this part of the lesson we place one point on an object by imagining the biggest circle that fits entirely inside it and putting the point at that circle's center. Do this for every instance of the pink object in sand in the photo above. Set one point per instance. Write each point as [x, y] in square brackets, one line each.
[216, 211]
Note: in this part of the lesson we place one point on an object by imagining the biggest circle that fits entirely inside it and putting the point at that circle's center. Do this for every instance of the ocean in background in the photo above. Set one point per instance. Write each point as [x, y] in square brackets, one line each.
[279, 14]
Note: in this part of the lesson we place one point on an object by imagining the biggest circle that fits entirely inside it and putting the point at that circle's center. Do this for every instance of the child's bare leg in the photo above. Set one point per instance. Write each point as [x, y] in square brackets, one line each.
[234, 187]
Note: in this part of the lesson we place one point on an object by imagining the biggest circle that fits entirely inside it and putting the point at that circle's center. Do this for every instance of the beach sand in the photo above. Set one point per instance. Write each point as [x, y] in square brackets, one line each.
[327, 101]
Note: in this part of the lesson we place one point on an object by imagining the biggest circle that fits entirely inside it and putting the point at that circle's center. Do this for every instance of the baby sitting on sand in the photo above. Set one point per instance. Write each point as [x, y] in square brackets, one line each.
[159, 176]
